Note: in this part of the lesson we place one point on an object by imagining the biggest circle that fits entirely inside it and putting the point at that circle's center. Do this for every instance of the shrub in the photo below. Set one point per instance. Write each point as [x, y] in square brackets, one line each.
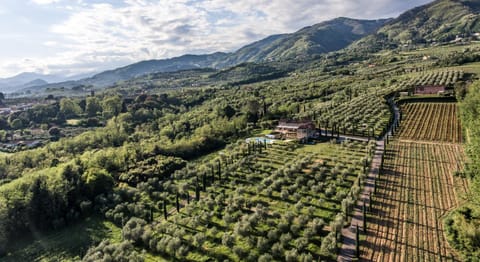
[228, 240]
[291, 255]
[265, 258]
[329, 244]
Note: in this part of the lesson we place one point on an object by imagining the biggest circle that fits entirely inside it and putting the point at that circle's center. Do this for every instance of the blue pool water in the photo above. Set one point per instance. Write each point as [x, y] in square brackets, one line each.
[260, 139]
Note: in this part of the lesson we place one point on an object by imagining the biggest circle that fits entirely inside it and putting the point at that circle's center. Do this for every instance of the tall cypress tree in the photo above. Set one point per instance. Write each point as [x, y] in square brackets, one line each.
[165, 213]
[197, 193]
[177, 202]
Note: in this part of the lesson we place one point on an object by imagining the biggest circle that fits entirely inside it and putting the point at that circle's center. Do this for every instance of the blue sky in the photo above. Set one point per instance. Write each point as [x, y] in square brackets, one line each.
[70, 37]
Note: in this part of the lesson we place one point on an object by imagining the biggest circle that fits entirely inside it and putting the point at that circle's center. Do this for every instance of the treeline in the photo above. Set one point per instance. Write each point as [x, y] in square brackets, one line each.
[55, 197]
[463, 224]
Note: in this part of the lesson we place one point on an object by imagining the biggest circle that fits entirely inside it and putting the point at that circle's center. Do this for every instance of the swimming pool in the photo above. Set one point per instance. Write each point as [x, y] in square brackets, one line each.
[260, 140]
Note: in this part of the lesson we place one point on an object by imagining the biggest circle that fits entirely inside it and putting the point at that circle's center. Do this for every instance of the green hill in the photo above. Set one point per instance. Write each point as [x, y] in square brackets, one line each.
[438, 22]
[321, 38]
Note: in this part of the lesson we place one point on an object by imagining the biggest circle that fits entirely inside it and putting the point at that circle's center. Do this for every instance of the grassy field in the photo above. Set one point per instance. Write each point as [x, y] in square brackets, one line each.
[473, 68]
[65, 245]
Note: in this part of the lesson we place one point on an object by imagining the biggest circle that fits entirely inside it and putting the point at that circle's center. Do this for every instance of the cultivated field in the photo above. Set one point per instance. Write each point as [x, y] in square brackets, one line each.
[280, 202]
[417, 188]
[414, 192]
[430, 122]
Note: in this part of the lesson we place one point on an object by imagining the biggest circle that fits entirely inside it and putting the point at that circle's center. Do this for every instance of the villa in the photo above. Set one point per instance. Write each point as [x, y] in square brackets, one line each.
[290, 129]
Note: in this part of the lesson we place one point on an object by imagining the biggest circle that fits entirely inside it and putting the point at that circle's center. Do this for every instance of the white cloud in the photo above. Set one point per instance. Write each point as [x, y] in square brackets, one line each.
[45, 2]
[100, 36]
[50, 43]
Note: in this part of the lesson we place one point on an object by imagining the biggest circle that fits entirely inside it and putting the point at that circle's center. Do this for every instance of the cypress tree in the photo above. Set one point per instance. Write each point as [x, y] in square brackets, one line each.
[165, 213]
[177, 202]
[197, 193]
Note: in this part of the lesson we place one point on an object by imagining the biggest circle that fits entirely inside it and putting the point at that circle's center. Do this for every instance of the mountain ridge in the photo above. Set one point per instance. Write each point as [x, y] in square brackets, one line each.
[436, 22]
[320, 38]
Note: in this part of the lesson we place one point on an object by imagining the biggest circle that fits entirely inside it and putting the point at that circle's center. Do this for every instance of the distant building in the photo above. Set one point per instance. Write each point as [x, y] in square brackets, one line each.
[290, 129]
[429, 90]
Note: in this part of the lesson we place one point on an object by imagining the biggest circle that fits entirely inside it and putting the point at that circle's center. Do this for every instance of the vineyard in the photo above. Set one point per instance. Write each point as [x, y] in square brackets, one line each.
[430, 122]
[417, 188]
[414, 193]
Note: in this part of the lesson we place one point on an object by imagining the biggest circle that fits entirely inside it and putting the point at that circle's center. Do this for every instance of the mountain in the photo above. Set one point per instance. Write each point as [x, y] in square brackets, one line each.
[36, 82]
[317, 39]
[321, 38]
[439, 21]
[184, 62]
[29, 79]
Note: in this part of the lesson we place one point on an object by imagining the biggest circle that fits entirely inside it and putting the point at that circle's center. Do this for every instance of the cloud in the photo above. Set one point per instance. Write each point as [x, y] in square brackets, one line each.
[99, 35]
[45, 2]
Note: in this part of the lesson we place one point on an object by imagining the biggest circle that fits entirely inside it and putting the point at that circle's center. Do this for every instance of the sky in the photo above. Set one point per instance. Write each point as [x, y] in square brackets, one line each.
[69, 37]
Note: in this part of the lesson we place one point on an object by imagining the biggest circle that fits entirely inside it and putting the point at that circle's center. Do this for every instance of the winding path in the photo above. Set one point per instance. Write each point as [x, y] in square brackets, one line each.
[347, 251]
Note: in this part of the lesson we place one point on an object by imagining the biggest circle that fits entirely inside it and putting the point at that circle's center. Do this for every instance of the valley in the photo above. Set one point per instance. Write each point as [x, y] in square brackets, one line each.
[349, 140]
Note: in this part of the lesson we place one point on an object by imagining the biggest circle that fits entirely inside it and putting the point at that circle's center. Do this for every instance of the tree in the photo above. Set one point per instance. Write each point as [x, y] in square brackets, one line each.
[227, 111]
[165, 212]
[97, 181]
[329, 244]
[177, 203]
[252, 108]
[198, 239]
[70, 108]
[55, 132]
[265, 258]
[228, 240]
[93, 106]
[111, 106]
[39, 204]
